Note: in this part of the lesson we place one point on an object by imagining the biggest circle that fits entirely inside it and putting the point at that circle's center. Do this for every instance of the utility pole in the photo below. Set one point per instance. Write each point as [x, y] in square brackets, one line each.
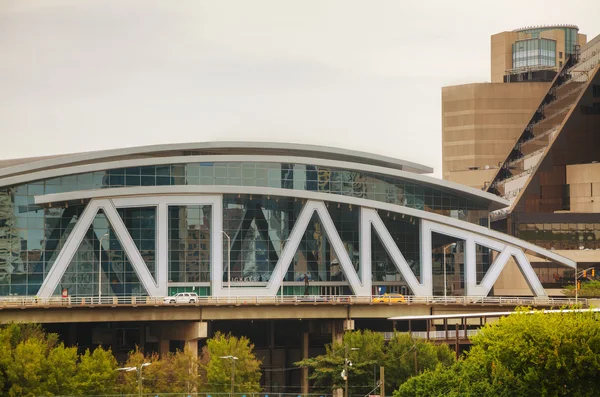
[232, 376]
[346, 370]
[347, 363]
[382, 381]
[232, 358]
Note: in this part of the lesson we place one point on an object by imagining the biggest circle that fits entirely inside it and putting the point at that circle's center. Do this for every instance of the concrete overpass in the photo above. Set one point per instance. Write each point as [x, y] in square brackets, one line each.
[90, 309]
[283, 329]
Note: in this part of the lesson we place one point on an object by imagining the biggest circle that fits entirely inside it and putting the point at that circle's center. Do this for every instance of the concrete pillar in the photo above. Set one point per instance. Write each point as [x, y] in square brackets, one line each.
[163, 346]
[337, 331]
[304, 369]
[193, 346]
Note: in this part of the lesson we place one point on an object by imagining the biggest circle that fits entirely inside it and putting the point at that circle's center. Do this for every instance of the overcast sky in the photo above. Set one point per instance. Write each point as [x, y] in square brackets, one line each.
[79, 75]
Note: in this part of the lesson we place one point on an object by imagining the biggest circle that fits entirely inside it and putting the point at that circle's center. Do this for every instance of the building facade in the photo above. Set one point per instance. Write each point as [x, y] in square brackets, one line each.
[533, 53]
[244, 219]
[548, 169]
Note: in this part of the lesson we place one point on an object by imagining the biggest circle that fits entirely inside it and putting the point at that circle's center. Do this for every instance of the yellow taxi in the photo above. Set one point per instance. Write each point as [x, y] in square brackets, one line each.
[389, 298]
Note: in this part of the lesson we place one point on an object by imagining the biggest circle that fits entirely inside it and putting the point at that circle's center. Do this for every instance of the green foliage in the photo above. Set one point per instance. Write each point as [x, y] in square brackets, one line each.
[61, 364]
[397, 356]
[326, 369]
[218, 371]
[26, 370]
[589, 289]
[96, 372]
[32, 363]
[403, 353]
[522, 355]
[169, 373]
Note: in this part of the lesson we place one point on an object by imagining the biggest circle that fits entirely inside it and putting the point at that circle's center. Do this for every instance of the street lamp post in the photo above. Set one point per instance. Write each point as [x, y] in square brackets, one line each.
[576, 286]
[100, 269]
[452, 245]
[347, 363]
[232, 358]
[139, 374]
[141, 379]
[228, 264]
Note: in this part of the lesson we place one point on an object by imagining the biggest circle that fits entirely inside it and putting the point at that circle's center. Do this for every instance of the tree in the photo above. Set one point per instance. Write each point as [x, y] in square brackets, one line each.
[403, 353]
[218, 371]
[96, 372]
[33, 364]
[522, 355]
[363, 348]
[168, 373]
[61, 365]
[368, 351]
[185, 369]
[25, 372]
[589, 289]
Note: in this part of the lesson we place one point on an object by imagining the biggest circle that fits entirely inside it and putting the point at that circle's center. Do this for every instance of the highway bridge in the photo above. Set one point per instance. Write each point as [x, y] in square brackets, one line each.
[136, 308]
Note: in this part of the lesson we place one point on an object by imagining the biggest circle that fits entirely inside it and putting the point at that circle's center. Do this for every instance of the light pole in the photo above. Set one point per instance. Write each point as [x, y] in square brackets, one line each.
[232, 358]
[452, 245]
[141, 379]
[228, 264]
[576, 286]
[139, 374]
[100, 268]
[347, 363]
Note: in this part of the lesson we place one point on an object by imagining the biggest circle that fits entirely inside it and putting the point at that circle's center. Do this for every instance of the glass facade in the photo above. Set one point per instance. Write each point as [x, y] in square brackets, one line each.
[570, 35]
[259, 227]
[534, 52]
[117, 276]
[365, 185]
[31, 236]
[561, 236]
[189, 243]
[406, 233]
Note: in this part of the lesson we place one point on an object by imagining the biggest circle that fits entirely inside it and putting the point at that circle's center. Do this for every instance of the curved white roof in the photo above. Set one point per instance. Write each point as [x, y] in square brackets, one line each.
[18, 166]
[23, 170]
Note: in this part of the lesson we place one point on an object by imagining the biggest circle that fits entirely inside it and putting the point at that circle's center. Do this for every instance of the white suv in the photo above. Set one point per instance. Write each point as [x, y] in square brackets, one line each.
[182, 297]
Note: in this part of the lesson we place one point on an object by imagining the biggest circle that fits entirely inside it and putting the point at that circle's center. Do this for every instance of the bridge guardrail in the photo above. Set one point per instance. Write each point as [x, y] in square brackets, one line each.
[437, 335]
[134, 301]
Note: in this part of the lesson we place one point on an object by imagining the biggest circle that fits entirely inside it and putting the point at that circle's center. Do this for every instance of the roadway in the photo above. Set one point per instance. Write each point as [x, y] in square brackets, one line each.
[114, 309]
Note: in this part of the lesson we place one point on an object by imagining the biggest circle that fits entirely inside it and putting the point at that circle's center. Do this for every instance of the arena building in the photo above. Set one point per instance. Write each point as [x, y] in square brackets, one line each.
[252, 219]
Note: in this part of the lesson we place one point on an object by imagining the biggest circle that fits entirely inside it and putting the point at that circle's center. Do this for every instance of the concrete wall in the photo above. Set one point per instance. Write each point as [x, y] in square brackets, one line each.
[480, 125]
[501, 54]
[584, 187]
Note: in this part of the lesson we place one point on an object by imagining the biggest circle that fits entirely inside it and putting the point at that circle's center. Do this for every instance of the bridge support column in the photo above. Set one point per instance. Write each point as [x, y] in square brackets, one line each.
[163, 346]
[337, 331]
[188, 331]
[192, 345]
[304, 384]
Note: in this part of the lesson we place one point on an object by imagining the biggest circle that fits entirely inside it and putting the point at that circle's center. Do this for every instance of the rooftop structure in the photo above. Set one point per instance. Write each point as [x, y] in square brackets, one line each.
[534, 53]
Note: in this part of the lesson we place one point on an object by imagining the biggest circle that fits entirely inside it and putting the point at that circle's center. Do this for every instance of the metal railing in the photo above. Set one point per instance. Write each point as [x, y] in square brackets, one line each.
[148, 301]
[437, 335]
